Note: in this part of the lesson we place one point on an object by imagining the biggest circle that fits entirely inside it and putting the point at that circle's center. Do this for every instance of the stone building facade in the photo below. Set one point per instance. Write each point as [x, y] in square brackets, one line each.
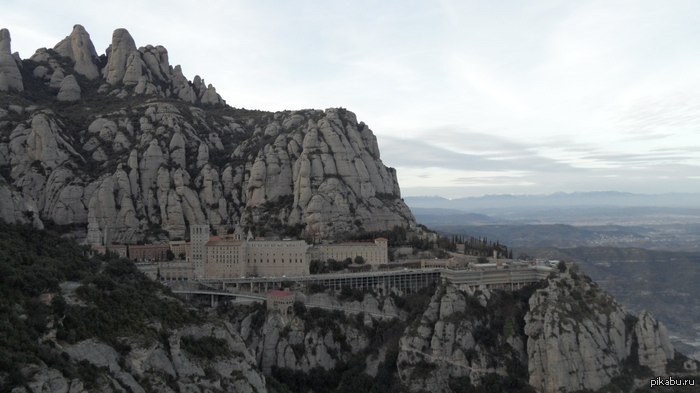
[148, 252]
[374, 253]
[229, 257]
[280, 301]
[179, 248]
[199, 236]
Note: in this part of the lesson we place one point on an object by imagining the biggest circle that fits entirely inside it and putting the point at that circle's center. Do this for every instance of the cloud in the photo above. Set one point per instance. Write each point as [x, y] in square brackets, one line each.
[531, 95]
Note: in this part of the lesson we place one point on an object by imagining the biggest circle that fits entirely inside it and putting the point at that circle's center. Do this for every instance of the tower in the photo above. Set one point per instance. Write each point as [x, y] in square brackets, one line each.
[199, 236]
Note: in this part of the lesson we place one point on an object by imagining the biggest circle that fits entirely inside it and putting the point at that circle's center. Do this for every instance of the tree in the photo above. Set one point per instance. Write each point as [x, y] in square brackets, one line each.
[561, 266]
[169, 255]
[359, 260]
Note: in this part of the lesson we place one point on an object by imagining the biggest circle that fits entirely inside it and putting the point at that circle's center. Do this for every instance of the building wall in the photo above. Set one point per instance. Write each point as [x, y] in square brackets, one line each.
[119, 249]
[374, 253]
[180, 247]
[175, 271]
[148, 252]
[199, 236]
[226, 258]
[230, 258]
[280, 301]
[167, 271]
[277, 258]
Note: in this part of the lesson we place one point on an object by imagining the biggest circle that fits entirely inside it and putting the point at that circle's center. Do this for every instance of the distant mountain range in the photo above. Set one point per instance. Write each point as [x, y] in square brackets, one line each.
[560, 199]
[589, 208]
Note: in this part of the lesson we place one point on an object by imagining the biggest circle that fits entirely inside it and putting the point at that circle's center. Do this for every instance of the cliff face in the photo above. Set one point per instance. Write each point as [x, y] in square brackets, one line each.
[75, 322]
[123, 144]
[580, 338]
[566, 336]
[313, 338]
[465, 338]
[155, 367]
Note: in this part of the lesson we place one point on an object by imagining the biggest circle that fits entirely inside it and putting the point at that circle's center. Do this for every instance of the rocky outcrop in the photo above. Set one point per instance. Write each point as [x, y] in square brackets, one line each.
[654, 348]
[563, 335]
[463, 337]
[184, 161]
[69, 90]
[317, 337]
[580, 338]
[152, 366]
[118, 55]
[10, 77]
[78, 47]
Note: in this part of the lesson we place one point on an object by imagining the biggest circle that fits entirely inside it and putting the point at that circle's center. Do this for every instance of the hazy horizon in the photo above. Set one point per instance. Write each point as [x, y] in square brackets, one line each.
[466, 98]
[549, 194]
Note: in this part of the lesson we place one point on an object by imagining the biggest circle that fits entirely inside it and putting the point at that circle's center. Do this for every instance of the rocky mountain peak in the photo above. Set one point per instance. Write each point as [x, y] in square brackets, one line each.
[142, 147]
[78, 47]
[121, 50]
[5, 41]
[10, 77]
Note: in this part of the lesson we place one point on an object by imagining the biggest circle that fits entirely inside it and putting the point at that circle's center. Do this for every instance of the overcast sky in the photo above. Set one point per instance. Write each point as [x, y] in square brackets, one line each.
[465, 97]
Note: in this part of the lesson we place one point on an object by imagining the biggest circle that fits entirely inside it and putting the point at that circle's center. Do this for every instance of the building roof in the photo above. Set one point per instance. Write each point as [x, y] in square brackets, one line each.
[278, 293]
[354, 243]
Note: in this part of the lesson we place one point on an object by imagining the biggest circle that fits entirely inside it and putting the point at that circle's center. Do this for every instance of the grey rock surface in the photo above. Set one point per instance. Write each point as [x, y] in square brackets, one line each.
[187, 161]
[122, 48]
[78, 47]
[69, 91]
[10, 77]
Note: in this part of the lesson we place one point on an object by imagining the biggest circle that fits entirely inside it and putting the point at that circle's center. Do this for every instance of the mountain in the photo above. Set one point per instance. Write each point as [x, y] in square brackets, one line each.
[443, 217]
[560, 199]
[77, 323]
[583, 208]
[662, 282]
[124, 145]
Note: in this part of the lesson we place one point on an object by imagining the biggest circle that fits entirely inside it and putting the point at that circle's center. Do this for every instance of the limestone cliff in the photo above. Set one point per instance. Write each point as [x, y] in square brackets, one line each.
[152, 367]
[75, 322]
[313, 338]
[567, 335]
[122, 145]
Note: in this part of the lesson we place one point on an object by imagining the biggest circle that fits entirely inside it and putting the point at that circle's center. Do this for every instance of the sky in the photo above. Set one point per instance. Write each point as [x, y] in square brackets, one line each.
[466, 98]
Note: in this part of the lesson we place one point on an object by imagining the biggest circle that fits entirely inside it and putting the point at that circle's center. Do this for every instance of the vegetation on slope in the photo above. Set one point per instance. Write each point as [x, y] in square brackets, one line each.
[112, 300]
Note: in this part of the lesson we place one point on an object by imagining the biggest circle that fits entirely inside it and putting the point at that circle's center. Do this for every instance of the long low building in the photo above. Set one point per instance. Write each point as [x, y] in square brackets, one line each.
[148, 252]
[233, 256]
[495, 278]
[228, 257]
[373, 253]
[167, 271]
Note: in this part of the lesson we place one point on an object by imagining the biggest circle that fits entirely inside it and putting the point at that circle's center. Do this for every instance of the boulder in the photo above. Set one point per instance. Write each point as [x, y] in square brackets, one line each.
[56, 79]
[69, 91]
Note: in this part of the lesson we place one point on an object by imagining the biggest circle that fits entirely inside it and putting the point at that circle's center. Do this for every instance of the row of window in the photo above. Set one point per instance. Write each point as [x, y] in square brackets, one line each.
[228, 261]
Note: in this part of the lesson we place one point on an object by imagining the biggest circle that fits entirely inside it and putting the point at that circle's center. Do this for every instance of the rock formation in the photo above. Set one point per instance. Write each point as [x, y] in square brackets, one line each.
[119, 52]
[566, 336]
[10, 77]
[150, 152]
[78, 47]
[152, 366]
[579, 337]
[317, 339]
[69, 90]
